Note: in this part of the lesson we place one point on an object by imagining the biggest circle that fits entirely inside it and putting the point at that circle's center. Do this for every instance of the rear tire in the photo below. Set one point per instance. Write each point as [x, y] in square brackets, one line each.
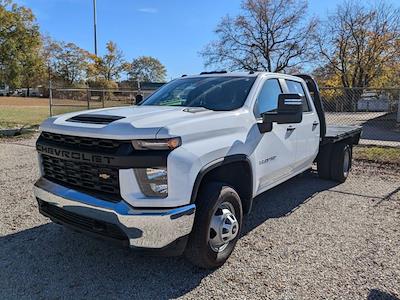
[341, 162]
[217, 226]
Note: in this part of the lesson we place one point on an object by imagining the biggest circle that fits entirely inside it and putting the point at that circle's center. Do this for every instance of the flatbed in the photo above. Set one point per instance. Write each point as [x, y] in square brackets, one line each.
[338, 133]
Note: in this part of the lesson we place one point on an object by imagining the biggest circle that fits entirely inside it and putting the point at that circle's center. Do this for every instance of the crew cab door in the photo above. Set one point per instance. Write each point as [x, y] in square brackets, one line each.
[274, 153]
[307, 132]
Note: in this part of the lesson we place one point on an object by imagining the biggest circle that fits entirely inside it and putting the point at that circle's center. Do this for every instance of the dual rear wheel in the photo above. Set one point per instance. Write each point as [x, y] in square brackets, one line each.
[334, 163]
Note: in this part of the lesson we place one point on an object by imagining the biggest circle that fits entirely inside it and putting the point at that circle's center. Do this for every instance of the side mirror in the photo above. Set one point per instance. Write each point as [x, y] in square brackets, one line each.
[290, 110]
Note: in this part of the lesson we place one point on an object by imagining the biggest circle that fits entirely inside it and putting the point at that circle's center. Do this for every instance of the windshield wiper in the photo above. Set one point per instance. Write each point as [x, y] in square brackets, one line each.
[205, 107]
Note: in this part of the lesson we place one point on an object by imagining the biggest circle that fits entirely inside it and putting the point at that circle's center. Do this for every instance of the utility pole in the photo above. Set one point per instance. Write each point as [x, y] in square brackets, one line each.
[94, 27]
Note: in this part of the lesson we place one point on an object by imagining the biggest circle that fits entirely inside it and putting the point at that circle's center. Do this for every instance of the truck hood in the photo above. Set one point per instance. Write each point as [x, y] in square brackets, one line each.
[136, 121]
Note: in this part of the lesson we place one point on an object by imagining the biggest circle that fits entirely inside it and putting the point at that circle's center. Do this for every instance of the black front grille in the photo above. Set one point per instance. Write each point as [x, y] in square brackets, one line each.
[78, 142]
[81, 222]
[85, 176]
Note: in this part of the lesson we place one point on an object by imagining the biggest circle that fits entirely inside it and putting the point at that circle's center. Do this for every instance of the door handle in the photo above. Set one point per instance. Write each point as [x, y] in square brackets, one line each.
[315, 123]
[290, 128]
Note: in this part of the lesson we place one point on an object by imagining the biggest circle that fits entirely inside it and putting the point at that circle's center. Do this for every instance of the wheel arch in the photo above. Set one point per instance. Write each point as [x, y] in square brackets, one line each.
[225, 170]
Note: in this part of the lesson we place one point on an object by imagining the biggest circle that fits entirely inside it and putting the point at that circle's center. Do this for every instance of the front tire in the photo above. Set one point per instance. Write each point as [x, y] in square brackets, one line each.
[217, 226]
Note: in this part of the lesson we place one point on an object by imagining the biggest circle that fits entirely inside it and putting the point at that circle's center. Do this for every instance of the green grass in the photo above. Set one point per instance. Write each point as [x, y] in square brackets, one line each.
[384, 155]
[18, 116]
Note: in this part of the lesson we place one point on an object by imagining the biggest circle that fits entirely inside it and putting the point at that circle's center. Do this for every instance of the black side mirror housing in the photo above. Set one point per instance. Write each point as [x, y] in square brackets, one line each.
[290, 110]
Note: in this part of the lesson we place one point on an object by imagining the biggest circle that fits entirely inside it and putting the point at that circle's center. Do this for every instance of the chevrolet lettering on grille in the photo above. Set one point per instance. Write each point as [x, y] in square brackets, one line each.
[74, 155]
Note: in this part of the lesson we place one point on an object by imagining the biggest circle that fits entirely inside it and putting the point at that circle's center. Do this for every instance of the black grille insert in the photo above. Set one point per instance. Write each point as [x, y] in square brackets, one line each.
[78, 142]
[81, 222]
[86, 176]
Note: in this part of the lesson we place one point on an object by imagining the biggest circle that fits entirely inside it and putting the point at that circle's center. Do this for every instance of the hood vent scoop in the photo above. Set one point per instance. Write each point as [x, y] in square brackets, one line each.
[94, 119]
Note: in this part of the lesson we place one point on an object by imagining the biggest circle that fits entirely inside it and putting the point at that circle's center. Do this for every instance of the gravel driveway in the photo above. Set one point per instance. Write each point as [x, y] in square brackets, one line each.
[306, 239]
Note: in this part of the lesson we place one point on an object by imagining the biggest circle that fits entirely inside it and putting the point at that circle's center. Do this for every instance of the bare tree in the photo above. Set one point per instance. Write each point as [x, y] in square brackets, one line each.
[269, 35]
[356, 42]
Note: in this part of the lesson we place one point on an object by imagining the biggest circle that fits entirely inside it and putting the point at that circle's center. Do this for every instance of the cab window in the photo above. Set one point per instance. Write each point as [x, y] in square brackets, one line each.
[267, 99]
[296, 87]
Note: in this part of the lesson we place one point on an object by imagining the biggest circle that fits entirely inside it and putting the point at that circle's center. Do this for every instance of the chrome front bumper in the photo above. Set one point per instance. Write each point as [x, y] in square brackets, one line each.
[145, 228]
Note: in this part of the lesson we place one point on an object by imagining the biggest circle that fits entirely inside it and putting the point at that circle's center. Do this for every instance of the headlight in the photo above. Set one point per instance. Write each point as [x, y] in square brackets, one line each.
[157, 144]
[153, 181]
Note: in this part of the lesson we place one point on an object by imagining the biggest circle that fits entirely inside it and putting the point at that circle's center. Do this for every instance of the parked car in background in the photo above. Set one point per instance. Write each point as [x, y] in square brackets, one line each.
[4, 89]
[33, 92]
[372, 101]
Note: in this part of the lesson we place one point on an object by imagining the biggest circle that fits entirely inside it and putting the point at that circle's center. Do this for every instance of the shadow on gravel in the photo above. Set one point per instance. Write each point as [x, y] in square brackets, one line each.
[49, 261]
[379, 295]
[382, 128]
[285, 199]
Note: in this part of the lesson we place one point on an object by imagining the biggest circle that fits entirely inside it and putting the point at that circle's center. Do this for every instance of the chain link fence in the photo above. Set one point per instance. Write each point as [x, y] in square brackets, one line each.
[376, 110]
[67, 100]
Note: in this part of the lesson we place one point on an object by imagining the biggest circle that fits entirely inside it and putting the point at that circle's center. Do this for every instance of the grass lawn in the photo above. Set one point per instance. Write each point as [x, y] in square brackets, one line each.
[30, 116]
[17, 116]
[384, 155]
[27, 117]
[18, 111]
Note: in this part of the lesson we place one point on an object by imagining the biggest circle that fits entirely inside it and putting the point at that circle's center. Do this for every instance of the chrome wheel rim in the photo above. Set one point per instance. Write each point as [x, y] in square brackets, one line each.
[223, 228]
[346, 163]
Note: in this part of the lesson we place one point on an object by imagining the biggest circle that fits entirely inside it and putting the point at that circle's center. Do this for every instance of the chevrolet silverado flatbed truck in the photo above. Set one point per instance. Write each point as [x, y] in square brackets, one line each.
[176, 173]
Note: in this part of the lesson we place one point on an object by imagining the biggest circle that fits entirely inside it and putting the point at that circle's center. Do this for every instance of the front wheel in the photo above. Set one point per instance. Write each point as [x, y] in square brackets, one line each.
[217, 226]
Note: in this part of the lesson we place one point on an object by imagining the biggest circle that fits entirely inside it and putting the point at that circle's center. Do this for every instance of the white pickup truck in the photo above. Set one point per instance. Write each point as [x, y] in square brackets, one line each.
[176, 173]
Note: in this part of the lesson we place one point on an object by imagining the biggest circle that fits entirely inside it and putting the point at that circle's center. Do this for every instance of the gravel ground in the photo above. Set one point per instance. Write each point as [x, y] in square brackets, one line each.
[306, 239]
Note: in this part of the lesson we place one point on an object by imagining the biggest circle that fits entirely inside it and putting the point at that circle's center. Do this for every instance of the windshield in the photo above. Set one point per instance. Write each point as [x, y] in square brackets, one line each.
[215, 93]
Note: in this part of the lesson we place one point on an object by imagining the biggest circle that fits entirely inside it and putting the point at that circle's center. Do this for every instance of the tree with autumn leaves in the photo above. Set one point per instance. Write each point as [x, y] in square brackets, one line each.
[21, 62]
[357, 45]
[28, 59]
[72, 66]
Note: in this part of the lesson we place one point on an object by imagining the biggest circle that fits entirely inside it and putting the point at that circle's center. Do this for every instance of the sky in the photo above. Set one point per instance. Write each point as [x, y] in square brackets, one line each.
[174, 31]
